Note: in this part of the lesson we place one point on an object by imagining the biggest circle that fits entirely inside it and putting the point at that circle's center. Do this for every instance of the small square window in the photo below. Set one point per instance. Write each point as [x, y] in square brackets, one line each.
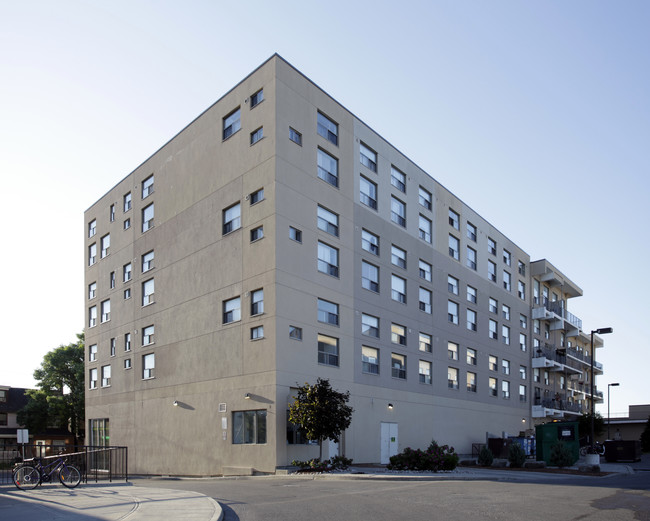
[256, 196]
[257, 98]
[295, 234]
[257, 233]
[257, 332]
[231, 123]
[256, 135]
[295, 332]
[295, 136]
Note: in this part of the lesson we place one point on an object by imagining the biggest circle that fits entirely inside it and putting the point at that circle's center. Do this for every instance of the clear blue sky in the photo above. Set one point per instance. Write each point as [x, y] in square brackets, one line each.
[536, 114]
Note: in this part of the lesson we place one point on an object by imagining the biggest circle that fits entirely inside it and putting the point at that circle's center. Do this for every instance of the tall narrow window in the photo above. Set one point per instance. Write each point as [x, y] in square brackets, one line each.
[452, 351]
[231, 310]
[327, 128]
[424, 229]
[454, 219]
[368, 157]
[492, 271]
[397, 212]
[148, 366]
[232, 218]
[328, 168]
[425, 198]
[148, 335]
[328, 350]
[398, 366]
[147, 292]
[471, 258]
[295, 136]
[493, 329]
[257, 302]
[398, 256]
[126, 272]
[398, 289]
[452, 312]
[92, 228]
[92, 378]
[398, 179]
[471, 294]
[147, 261]
[127, 342]
[92, 290]
[398, 334]
[471, 232]
[454, 247]
[452, 284]
[106, 245]
[492, 246]
[507, 258]
[92, 353]
[424, 269]
[147, 217]
[106, 376]
[452, 377]
[370, 242]
[507, 285]
[424, 372]
[370, 360]
[127, 202]
[368, 193]
[147, 186]
[328, 221]
[471, 382]
[425, 300]
[328, 259]
[232, 123]
[471, 320]
[106, 310]
[369, 276]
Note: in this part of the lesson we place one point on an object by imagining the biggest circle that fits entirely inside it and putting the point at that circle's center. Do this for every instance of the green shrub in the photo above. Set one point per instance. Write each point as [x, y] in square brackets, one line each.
[516, 455]
[434, 459]
[485, 457]
[560, 455]
[340, 462]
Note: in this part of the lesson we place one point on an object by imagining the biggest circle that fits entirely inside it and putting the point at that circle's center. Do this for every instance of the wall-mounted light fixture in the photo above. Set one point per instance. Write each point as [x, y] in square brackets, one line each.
[390, 406]
[175, 404]
[247, 396]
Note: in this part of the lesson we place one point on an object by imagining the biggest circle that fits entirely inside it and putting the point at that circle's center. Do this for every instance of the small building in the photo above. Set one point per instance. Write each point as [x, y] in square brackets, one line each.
[630, 427]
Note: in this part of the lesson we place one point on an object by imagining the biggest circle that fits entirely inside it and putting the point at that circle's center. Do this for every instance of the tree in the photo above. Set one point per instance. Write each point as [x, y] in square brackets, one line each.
[59, 399]
[321, 411]
[645, 437]
[584, 425]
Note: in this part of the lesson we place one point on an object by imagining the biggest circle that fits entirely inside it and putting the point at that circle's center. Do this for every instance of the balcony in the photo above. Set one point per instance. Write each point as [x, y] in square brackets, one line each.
[554, 311]
[583, 357]
[558, 407]
[549, 357]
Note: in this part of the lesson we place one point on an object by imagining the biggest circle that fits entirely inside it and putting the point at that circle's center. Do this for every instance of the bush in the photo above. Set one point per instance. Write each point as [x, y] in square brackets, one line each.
[560, 455]
[336, 463]
[485, 457]
[516, 455]
[434, 459]
[340, 462]
[314, 463]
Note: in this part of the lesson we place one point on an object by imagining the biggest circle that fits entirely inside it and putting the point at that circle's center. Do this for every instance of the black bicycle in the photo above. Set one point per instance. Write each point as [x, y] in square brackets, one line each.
[29, 475]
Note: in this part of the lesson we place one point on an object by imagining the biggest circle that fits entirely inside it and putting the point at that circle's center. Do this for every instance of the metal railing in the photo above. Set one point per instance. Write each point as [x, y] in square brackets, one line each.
[557, 307]
[95, 463]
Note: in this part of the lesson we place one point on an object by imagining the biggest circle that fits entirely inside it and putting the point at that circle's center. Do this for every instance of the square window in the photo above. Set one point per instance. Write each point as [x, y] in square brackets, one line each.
[328, 312]
[328, 168]
[257, 332]
[370, 360]
[257, 98]
[232, 218]
[231, 310]
[295, 136]
[327, 128]
[328, 350]
[231, 123]
[127, 363]
[295, 234]
[368, 157]
[398, 366]
[147, 261]
[127, 223]
[369, 242]
[328, 259]
[256, 135]
[127, 293]
[256, 196]
[295, 332]
[398, 179]
[249, 427]
[328, 221]
[368, 193]
[369, 325]
[426, 342]
[257, 233]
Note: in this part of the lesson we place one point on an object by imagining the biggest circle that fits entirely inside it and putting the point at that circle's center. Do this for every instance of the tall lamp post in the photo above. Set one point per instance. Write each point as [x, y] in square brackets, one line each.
[600, 331]
[608, 386]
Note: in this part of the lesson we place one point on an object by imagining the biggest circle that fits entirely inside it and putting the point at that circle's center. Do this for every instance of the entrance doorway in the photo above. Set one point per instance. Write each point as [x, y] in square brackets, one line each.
[389, 445]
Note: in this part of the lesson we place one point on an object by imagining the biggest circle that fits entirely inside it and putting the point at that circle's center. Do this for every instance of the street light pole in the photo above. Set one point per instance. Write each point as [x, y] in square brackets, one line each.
[608, 386]
[600, 331]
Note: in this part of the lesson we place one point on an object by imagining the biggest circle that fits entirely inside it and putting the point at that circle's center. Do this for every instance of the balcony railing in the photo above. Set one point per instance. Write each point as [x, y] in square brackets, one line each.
[559, 403]
[557, 307]
[558, 355]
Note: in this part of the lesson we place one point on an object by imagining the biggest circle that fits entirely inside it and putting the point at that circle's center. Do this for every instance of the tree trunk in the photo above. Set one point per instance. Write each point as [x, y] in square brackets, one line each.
[320, 449]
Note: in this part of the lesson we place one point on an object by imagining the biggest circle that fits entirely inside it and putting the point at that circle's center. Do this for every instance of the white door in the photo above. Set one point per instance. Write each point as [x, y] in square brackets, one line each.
[333, 449]
[388, 441]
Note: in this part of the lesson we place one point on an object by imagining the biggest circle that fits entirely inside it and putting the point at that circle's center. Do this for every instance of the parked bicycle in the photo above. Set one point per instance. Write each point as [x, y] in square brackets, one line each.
[30, 474]
[586, 449]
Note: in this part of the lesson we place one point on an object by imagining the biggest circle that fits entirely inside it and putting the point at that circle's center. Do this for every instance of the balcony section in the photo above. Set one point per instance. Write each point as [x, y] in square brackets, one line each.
[558, 316]
[556, 359]
[581, 357]
[544, 271]
[560, 406]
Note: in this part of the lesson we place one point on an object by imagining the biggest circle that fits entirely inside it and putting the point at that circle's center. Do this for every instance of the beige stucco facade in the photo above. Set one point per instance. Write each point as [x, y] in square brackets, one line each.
[180, 416]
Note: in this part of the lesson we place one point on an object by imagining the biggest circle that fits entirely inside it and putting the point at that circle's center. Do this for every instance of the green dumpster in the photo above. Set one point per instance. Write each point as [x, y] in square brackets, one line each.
[548, 434]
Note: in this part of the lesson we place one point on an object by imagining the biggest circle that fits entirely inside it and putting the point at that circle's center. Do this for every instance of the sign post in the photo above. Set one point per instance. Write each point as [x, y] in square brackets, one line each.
[23, 437]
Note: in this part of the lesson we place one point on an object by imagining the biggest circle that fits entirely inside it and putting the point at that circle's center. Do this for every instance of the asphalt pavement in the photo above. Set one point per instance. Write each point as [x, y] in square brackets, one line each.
[125, 502]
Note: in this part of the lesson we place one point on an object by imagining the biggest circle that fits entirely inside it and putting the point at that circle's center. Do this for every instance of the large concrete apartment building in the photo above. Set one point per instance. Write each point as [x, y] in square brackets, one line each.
[277, 239]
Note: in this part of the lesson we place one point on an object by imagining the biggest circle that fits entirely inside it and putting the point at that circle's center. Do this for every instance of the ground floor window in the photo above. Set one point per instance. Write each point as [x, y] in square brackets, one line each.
[249, 427]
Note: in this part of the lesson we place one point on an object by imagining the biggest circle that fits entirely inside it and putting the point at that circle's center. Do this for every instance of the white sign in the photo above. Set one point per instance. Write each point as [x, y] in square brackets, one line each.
[23, 435]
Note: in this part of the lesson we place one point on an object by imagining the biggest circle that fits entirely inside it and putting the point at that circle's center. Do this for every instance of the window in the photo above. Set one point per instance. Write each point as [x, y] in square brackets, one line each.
[452, 377]
[328, 350]
[147, 217]
[452, 284]
[523, 321]
[494, 386]
[454, 247]
[522, 341]
[328, 168]
[92, 353]
[147, 335]
[257, 302]
[452, 351]
[4, 417]
[257, 98]
[471, 294]
[295, 234]
[471, 382]
[127, 363]
[369, 360]
[492, 271]
[471, 320]
[425, 341]
[398, 289]
[127, 202]
[112, 213]
[147, 186]
[536, 375]
[398, 366]
[295, 332]
[249, 427]
[370, 242]
[454, 219]
[111, 280]
[521, 290]
[232, 218]
[127, 342]
[231, 123]
[507, 258]
[397, 211]
[147, 261]
[92, 379]
[328, 259]
[92, 290]
[505, 389]
[522, 393]
[536, 291]
[505, 366]
[126, 272]
[106, 310]
[424, 198]
[369, 277]
[3, 396]
[257, 233]
[257, 332]
[327, 128]
[506, 281]
[424, 229]
[425, 300]
[113, 347]
[398, 256]
[147, 292]
[369, 325]
[471, 258]
[127, 293]
[493, 305]
[492, 246]
[425, 270]
[471, 232]
[256, 135]
[493, 363]
[127, 223]
[148, 366]
[105, 245]
[536, 326]
[505, 311]
[521, 268]
[397, 179]
[106, 376]
[547, 331]
[92, 254]
[471, 356]
[522, 372]
[256, 196]
[424, 372]
[493, 328]
[368, 157]
[328, 221]
[328, 312]
[231, 310]
[546, 378]
[368, 193]
[452, 312]
[295, 136]
[398, 334]
[92, 228]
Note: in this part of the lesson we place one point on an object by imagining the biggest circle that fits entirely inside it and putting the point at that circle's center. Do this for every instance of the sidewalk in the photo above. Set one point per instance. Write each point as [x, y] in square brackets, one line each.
[105, 503]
